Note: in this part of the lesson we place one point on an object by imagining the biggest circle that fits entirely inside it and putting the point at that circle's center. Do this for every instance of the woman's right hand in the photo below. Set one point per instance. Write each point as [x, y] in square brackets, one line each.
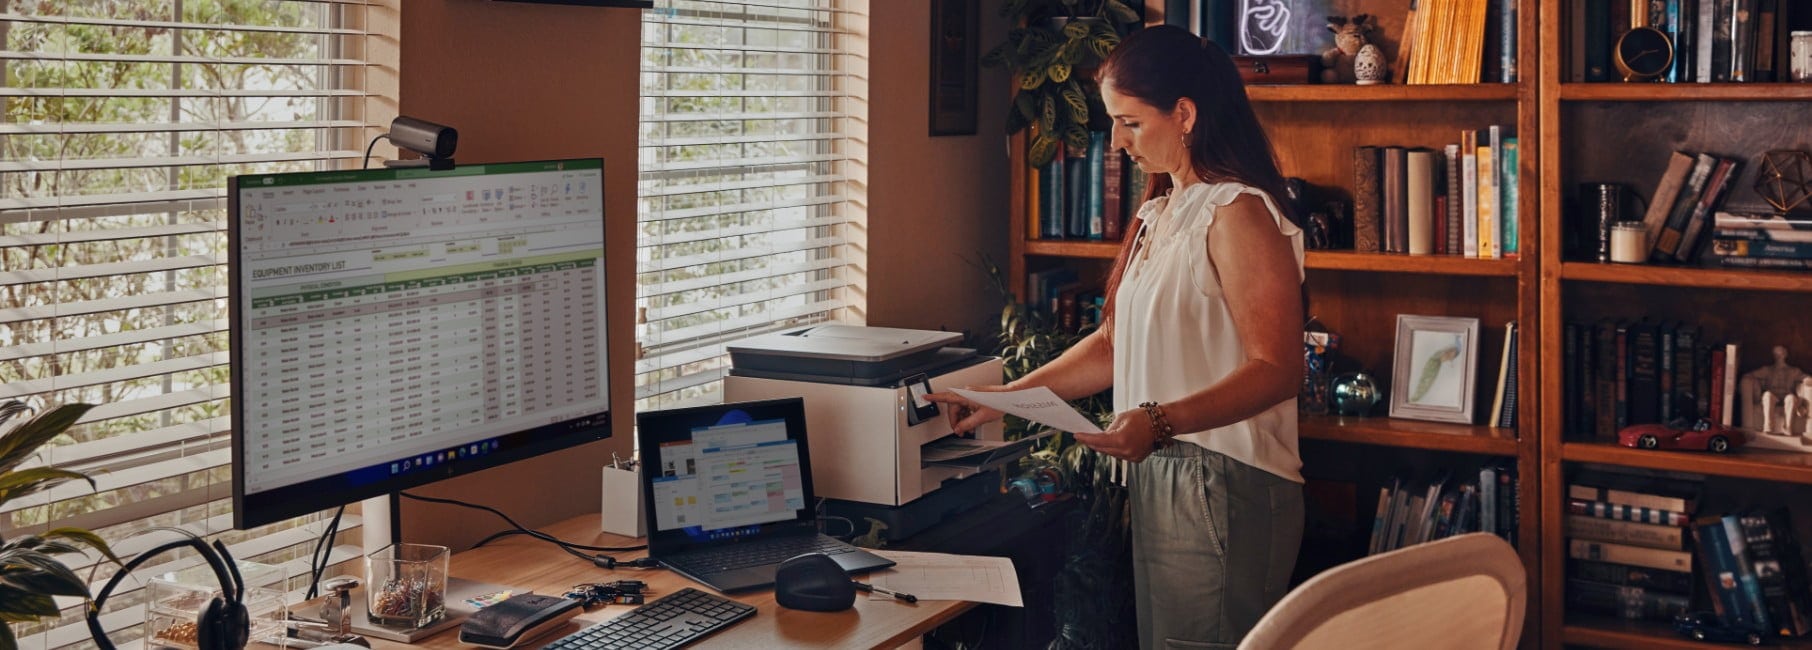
[963, 414]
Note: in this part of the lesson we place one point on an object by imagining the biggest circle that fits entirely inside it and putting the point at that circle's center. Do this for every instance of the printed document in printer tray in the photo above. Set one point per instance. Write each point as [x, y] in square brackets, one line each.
[954, 451]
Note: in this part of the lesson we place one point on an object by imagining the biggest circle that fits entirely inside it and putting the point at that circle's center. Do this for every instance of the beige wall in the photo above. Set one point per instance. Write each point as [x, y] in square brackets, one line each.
[934, 204]
[525, 81]
[529, 82]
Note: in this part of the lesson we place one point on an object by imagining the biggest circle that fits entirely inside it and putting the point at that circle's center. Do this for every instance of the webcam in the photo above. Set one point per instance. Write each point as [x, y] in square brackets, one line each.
[435, 142]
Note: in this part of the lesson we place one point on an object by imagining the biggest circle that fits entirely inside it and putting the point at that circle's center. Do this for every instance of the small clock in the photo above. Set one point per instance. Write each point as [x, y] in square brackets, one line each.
[1643, 54]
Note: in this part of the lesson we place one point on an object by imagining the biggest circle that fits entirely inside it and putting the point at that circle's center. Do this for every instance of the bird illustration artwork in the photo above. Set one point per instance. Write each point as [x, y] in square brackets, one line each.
[1431, 369]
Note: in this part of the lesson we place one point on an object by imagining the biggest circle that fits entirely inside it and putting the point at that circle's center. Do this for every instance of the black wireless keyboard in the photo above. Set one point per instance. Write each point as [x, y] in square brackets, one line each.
[670, 621]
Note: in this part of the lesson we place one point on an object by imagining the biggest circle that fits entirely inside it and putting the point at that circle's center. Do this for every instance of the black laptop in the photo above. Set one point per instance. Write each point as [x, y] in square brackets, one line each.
[729, 489]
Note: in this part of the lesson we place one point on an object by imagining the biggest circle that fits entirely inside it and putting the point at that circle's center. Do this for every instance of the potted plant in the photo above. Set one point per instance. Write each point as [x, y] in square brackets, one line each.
[1053, 44]
[30, 574]
[1092, 591]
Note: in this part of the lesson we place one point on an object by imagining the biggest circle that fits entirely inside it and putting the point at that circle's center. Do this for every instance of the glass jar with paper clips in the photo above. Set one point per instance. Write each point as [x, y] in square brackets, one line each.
[406, 585]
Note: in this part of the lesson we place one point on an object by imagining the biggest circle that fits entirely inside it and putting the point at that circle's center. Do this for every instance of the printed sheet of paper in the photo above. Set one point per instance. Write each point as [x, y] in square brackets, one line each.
[941, 576]
[953, 447]
[1036, 404]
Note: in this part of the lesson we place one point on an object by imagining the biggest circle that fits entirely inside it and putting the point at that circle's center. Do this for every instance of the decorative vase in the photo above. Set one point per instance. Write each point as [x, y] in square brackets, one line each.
[1354, 393]
[1368, 66]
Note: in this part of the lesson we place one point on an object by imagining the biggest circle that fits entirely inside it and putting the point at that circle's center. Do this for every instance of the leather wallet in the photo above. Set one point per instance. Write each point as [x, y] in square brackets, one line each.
[522, 617]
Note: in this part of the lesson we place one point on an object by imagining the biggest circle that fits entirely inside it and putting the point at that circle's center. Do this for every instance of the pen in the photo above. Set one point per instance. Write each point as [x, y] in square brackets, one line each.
[896, 595]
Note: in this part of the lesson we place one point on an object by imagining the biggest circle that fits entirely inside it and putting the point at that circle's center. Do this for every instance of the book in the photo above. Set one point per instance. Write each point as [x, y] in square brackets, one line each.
[1503, 373]
[1667, 190]
[1395, 223]
[1722, 177]
[1796, 614]
[1667, 242]
[1455, 234]
[1653, 558]
[1626, 512]
[1419, 197]
[1678, 582]
[1506, 416]
[1749, 588]
[1113, 200]
[1469, 189]
[1672, 538]
[1785, 607]
[1625, 601]
[1507, 198]
[1368, 199]
[1487, 204]
[1653, 492]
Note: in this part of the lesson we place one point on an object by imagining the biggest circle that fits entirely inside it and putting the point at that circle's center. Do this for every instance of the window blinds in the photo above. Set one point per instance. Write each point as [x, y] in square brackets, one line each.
[745, 170]
[123, 120]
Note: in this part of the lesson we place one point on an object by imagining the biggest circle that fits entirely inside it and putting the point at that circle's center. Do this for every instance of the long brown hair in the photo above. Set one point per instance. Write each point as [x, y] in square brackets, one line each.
[1163, 64]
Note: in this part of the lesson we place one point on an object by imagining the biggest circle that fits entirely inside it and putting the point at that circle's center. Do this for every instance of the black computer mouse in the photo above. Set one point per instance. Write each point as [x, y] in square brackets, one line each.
[815, 583]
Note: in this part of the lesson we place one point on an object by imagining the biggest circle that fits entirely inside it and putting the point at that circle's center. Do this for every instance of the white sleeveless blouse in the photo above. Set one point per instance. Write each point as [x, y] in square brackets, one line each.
[1174, 334]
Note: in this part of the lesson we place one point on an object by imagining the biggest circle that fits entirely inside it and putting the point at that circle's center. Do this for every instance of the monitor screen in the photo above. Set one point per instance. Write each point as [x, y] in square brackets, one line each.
[399, 326]
[726, 471]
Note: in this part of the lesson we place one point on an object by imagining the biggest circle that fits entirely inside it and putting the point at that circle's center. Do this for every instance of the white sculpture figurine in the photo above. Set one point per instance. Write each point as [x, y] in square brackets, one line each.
[1340, 64]
[1765, 390]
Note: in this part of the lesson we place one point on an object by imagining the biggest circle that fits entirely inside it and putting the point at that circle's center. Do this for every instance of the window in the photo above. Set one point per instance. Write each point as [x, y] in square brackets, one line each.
[123, 119]
[746, 179]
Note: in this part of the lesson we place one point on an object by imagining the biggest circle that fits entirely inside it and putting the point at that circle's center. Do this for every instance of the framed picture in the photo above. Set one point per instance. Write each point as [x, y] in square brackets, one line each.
[1434, 375]
[954, 24]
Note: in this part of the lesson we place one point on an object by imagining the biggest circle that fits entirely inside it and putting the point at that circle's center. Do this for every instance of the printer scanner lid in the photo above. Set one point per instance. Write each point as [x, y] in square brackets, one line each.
[845, 343]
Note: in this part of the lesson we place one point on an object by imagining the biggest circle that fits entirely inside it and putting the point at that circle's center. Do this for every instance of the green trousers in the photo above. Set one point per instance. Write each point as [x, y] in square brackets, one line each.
[1214, 542]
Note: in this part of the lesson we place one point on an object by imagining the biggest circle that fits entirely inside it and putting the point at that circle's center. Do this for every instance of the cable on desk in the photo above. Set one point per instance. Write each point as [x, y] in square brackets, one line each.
[544, 536]
[317, 563]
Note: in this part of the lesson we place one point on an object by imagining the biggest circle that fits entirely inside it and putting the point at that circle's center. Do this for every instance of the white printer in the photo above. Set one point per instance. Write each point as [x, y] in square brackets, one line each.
[865, 416]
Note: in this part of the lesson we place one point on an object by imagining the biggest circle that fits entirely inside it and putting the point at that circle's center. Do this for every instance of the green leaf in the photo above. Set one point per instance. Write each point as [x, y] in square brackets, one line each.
[1026, 104]
[1076, 29]
[1076, 102]
[85, 537]
[41, 574]
[12, 408]
[1031, 80]
[1016, 122]
[19, 483]
[996, 56]
[1043, 149]
[19, 606]
[20, 443]
[1102, 45]
[1076, 136]
[1059, 72]
[1047, 115]
[1120, 13]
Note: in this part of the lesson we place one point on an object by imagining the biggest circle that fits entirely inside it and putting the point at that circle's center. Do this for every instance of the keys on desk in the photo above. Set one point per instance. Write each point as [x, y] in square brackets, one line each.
[670, 621]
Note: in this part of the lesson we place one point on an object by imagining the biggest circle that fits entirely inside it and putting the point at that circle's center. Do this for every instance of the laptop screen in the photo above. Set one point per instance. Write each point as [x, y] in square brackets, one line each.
[725, 472]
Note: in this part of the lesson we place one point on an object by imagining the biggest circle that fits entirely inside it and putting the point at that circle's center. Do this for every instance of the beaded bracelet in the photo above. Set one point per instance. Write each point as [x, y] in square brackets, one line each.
[1159, 425]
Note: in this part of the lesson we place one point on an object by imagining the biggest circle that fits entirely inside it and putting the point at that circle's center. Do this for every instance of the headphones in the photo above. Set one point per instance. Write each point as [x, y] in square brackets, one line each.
[224, 622]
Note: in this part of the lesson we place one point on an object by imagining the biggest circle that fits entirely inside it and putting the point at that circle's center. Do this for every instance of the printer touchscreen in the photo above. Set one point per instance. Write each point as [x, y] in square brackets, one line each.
[726, 479]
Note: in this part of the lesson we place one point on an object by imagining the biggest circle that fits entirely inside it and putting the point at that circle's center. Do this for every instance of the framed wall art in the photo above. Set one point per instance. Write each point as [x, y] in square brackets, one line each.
[1434, 374]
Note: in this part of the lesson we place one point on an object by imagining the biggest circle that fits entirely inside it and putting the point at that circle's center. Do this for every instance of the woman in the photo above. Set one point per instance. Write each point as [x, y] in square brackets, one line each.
[1201, 344]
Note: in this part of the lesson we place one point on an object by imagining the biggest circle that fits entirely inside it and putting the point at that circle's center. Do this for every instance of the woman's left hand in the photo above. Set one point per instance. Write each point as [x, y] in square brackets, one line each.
[1129, 437]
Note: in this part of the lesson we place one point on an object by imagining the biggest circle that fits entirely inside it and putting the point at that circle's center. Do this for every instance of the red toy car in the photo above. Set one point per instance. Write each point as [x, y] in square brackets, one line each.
[1700, 435]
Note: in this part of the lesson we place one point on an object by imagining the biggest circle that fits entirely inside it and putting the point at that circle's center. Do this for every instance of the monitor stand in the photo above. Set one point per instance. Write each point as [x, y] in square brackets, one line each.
[379, 530]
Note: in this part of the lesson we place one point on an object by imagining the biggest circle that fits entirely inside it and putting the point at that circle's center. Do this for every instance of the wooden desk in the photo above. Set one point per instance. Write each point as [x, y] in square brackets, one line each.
[524, 563]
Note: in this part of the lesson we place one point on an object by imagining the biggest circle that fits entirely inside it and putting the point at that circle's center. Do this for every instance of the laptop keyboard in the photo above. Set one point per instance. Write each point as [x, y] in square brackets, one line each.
[670, 621]
[742, 556]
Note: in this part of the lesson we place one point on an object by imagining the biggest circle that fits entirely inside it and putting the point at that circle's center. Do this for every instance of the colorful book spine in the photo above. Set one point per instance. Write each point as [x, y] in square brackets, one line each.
[1507, 199]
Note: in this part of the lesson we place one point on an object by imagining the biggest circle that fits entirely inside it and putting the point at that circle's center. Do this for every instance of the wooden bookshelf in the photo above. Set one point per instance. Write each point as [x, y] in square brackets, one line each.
[1654, 92]
[1623, 133]
[1600, 632]
[1080, 249]
[1413, 434]
[1746, 463]
[1431, 264]
[1683, 276]
[1382, 93]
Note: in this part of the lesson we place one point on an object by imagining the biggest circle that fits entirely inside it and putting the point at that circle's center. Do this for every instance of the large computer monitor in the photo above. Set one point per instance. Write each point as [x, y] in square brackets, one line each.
[400, 326]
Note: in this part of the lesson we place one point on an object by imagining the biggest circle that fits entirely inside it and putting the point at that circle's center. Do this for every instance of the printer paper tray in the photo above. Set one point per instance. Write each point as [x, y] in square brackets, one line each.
[970, 453]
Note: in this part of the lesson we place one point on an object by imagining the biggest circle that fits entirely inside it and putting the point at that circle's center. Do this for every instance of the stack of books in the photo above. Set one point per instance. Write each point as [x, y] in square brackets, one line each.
[1687, 196]
[1749, 240]
[1628, 545]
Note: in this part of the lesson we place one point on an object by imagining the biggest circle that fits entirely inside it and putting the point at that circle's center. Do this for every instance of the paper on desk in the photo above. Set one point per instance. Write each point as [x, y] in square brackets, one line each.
[1036, 404]
[941, 576]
